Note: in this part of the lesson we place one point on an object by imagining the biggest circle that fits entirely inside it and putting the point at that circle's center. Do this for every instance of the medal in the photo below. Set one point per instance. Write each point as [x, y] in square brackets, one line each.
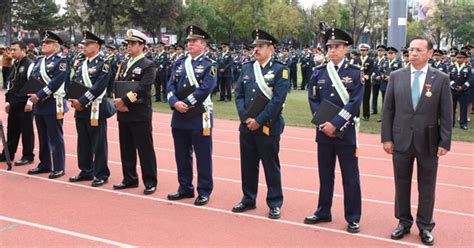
[428, 90]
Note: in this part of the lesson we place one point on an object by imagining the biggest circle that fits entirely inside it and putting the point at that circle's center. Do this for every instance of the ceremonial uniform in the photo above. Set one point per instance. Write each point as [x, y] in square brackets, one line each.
[262, 144]
[307, 63]
[193, 132]
[323, 87]
[161, 80]
[91, 121]
[378, 72]
[49, 110]
[388, 67]
[292, 65]
[19, 121]
[366, 67]
[135, 126]
[460, 77]
[226, 65]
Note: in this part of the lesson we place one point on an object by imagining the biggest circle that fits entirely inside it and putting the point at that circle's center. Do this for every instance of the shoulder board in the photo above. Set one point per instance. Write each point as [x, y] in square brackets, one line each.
[210, 60]
[322, 66]
[279, 62]
[250, 61]
[354, 66]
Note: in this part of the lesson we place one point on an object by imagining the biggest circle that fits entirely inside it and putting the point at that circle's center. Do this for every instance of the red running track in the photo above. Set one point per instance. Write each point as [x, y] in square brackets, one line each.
[36, 211]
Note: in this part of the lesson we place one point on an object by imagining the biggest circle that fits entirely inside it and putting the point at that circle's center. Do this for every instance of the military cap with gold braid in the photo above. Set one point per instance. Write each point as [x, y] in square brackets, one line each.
[135, 35]
[438, 52]
[89, 37]
[334, 36]
[195, 32]
[262, 37]
[52, 37]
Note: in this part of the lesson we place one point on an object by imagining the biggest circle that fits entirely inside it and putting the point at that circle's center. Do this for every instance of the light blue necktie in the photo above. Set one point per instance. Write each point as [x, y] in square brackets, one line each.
[415, 89]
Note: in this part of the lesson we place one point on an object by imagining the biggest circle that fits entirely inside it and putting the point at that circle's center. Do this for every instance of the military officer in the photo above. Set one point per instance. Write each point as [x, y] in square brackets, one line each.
[366, 70]
[226, 67]
[20, 122]
[135, 116]
[189, 94]
[50, 106]
[113, 61]
[92, 110]
[260, 133]
[460, 76]
[437, 61]
[307, 63]
[340, 83]
[162, 61]
[378, 76]
[392, 63]
[406, 58]
[293, 68]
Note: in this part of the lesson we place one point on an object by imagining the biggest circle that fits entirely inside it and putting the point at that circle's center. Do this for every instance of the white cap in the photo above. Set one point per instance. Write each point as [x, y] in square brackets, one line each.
[135, 35]
[364, 45]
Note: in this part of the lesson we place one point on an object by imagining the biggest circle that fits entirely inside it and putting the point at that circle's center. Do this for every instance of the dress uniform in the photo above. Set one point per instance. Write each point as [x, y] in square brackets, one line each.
[193, 131]
[292, 65]
[162, 64]
[406, 58]
[378, 76]
[389, 66]
[91, 117]
[307, 63]
[366, 68]
[437, 61]
[261, 144]
[49, 109]
[135, 125]
[324, 87]
[460, 76]
[226, 68]
[19, 121]
[113, 61]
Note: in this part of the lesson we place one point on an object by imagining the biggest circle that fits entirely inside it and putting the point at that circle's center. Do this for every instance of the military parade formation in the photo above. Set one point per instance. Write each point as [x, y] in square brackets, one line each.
[100, 80]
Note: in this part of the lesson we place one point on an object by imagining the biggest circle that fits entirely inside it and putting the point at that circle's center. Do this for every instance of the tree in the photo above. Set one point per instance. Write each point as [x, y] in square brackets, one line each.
[43, 16]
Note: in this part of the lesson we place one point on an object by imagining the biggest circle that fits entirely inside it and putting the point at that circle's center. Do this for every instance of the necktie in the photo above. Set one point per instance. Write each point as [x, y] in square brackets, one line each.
[415, 89]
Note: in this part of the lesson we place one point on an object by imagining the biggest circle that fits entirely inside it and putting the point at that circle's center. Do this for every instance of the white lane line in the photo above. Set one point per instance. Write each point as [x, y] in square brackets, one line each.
[287, 222]
[67, 232]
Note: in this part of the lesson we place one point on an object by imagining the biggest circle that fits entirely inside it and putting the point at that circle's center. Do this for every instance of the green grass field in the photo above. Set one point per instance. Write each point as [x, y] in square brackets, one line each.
[297, 113]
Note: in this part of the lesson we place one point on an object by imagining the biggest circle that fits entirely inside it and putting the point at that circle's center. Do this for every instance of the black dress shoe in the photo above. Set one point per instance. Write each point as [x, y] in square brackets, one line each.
[399, 232]
[125, 185]
[242, 207]
[149, 190]
[201, 200]
[464, 127]
[274, 213]
[98, 182]
[313, 219]
[179, 196]
[56, 174]
[38, 171]
[23, 162]
[80, 178]
[426, 237]
[353, 227]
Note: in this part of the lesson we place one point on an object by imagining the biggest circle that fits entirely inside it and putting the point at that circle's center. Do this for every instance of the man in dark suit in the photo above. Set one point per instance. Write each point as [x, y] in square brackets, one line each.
[20, 122]
[260, 130]
[192, 81]
[416, 124]
[161, 61]
[92, 110]
[339, 83]
[50, 106]
[226, 68]
[135, 117]
[366, 68]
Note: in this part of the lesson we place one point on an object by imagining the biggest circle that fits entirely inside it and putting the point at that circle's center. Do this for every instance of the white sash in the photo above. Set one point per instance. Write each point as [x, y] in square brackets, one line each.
[58, 95]
[96, 103]
[261, 81]
[344, 95]
[206, 119]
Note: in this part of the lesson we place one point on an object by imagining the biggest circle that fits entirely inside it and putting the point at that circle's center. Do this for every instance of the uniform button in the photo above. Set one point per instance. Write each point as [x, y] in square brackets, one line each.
[184, 85]
[253, 90]
[332, 94]
[251, 99]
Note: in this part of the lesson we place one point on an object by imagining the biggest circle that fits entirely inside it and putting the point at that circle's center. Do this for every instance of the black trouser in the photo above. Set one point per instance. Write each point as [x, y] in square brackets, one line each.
[366, 99]
[160, 85]
[427, 168]
[293, 78]
[226, 88]
[304, 74]
[92, 148]
[135, 136]
[462, 99]
[5, 74]
[253, 149]
[375, 97]
[20, 123]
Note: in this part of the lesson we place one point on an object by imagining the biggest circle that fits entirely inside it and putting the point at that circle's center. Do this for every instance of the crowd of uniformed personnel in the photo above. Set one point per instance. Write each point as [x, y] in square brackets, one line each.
[186, 76]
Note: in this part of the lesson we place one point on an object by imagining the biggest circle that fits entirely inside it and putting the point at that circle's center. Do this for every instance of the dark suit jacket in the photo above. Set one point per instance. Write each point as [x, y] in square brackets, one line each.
[402, 125]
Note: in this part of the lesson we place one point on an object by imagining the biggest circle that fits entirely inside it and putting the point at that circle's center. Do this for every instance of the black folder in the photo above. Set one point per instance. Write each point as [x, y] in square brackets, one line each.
[32, 86]
[121, 88]
[194, 110]
[327, 111]
[257, 105]
[76, 90]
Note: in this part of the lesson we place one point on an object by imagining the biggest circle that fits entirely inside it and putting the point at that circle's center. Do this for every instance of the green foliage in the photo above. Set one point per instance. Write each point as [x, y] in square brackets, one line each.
[37, 15]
